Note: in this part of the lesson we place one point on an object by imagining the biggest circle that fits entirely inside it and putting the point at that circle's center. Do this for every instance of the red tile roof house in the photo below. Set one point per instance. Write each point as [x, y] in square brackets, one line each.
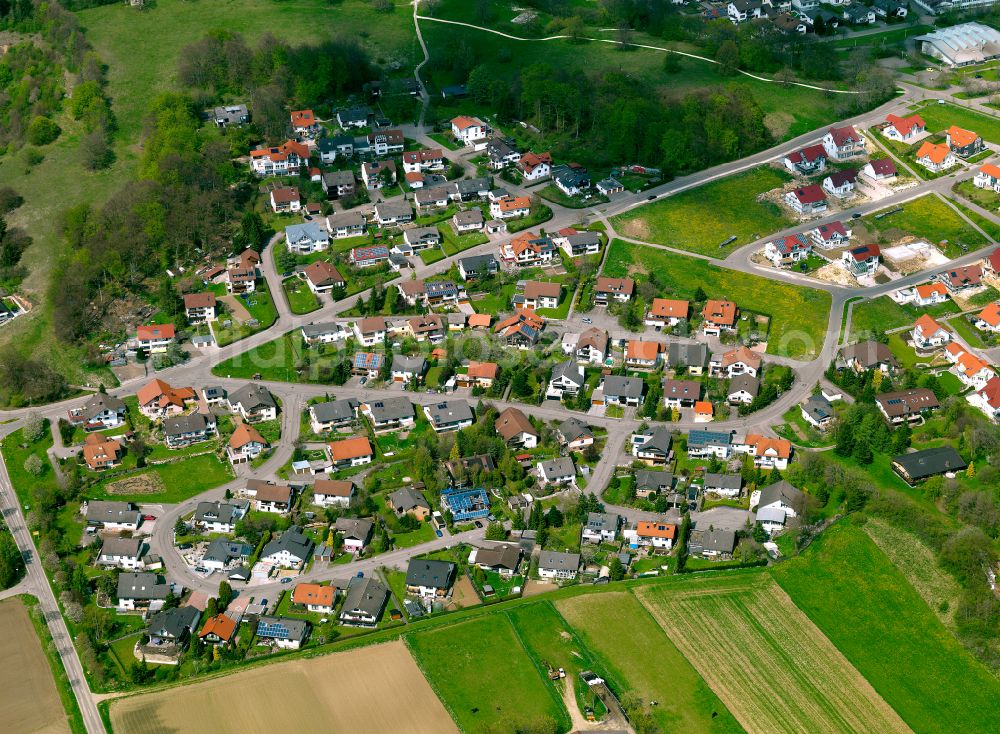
[277, 161]
[971, 370]
[831, 235]
[843, 143]
[784, 251]
[664, 312]
[718, 316]
[989, 319]
[808, 160]
[861, 261]
[991, 264]
[957, 280]
[841, 183]
[510, 207]
[199, 307]
[350, 452]
[904, 129]
[285, 199]
[988, 399]
[613, 289]
[879, 169]
[155, 337]
[469, 130]
[158, 400]
[935, 156]
[304, 122]
[807, 200]
[322, 277]
[988, 177]
[963, 143]
[245, 444]
[643, 355]
[535, 166]
[739, 361]
[538, 294]
[929, 334]
[418, 161]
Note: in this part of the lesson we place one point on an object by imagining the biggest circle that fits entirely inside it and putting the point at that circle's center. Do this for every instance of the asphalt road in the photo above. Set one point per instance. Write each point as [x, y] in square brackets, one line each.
[197, 372]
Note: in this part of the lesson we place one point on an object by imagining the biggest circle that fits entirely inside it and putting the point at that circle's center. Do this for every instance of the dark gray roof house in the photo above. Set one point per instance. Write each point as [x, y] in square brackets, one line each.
[174, 624]
[782, 492]
[712, 541]
[141, 586]
[282, 628]
[409, 365]
[689, 355]
[749, 384]
[335, 411]
[630, 388]
[818, 408]
[919, 465]
[558, 561]
[185, 424]
[449, 412]
[293, 541]
[572, 429]
[653, 481]
[224, 551]
[869, 354]
[364, 602]
[390, 409]
[430, 574]
[99, 403]
[658, 441]
[252, 397]
[499, 557]
[102, 512]
[723, 482]
[358, 528]
[407, 499]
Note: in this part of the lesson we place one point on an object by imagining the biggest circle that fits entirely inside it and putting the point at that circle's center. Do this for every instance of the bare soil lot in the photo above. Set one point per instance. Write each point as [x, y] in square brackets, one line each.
[370, 689]
[29, 701]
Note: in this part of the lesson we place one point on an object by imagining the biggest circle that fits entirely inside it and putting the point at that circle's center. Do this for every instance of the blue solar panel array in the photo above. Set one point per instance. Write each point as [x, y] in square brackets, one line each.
[467, 504]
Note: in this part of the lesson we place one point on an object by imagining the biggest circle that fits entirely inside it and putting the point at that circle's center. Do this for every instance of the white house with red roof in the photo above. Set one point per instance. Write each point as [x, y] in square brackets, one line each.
[785, 251]
[535, 166]
[929, 294]
[418, 161]
[988, 177]
[808, 160]
[285, 199]
[973, 371]
[929, 334]
[904, 129]
[304, 123]
[987, 398]
[880, 169]
[935, 156]
[807, 200]
[155, 337]
[843, 143]
[991, 264]
[841, 183]
[281, 160]
[863, 260]
[989, 319]
[470, 130]
[830, 235]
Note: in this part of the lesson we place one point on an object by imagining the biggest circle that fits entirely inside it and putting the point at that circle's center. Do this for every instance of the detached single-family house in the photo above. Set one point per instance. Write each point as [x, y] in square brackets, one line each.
[155, 337]
[254, 403]
[199, 307]
[306, 238]
[285, 199]
[559, 566]
[601, 527]
[643, 355]
[777, 505]
[904, 129]
[785, 251]
[520, 330]
[429, 579]
[322, 277]
[510, 207]
[863, 260]
[664, 312]
[651, 534]
[831, 235]
[140, 590]
[817, 411]
[501, 559]
[905, 406]
[841, 183]
[681, 393]
[963, 143]
[935, 156]
[929, 334]
[743, 389]
[469, 130]
[121, 553]
[987, 399]
[356, 532]
[366, 599]
[988, 177]
[315, 598]
[350, 452]
[807, 200]
[739, 361]
[557, 471]
[100, 412]
[619, 390]
[607, 290]
[245, 444]
[808, 160]
[653, 445]
[332, 492]
[184, 430]
[574, 434]
[477, 266]
[408, 501]
[370, 331]
[270, 497]
[388, 214]
[919, 465]
[219, 630]
[718, 317]
[767, 452]
[567, 379]
[113, 517]
[879, 169]
[389, 414]
[725, 485]
[528, 250]
[962, 278]
[538, 294]
[219, 516]
[843, 143]
[158, 400]
[449, 415]
[291, 549]
[101, 453]
[704, 444]
[652, 481]
[468, 220]
[535, 166]
[346, 224]
[592, 346]
[333, 414]
[283, 632]
[989, 319]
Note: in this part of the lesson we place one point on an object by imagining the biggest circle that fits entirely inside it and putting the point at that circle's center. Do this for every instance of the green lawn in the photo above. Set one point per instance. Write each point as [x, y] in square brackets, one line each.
[855, 595]
[495, 303]
[621, 635]
[928, 218]
[261, 308]
[422, 534]
[16, 452]
[701, 219]
[939, 117]
[181, 480]
[993, 230]
[799, 315]
[457, 661]
[886, 38]
[282, 359]
[538, 215]
[553, 193]
[300, 299]
[453, 243]
[967, 331]
[988, 199]
[884, 314]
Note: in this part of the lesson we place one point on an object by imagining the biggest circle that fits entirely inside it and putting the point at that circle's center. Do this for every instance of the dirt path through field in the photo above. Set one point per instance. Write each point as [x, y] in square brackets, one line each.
[370, 689]
[238, 311]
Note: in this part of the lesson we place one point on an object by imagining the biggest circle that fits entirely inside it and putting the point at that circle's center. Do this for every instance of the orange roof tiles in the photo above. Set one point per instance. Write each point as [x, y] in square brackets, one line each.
[720, 312]
[314, 594]
[668, 308]
[927, 325]
[960, 136]
[928, 289]
[644, 351]
[991, 314]
[652, 529]
[934, 152]
[483, 370]
[221, 626]
[351, 448]
[765, 445]
[155, 331]
[245, 434]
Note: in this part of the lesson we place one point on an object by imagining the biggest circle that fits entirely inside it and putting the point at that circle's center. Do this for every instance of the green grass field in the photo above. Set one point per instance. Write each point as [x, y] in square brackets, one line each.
[884, 314]
[928, 218]
[16, 452]
[458, 661]
[181, 479]
[701, 219]
[686, 703]
[939, 117]
[799, 315]
[855, 595]
[749, 640]
[300, 299]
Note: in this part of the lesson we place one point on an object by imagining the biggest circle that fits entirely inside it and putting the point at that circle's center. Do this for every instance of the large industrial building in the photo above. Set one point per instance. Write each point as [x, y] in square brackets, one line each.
[961, 45]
